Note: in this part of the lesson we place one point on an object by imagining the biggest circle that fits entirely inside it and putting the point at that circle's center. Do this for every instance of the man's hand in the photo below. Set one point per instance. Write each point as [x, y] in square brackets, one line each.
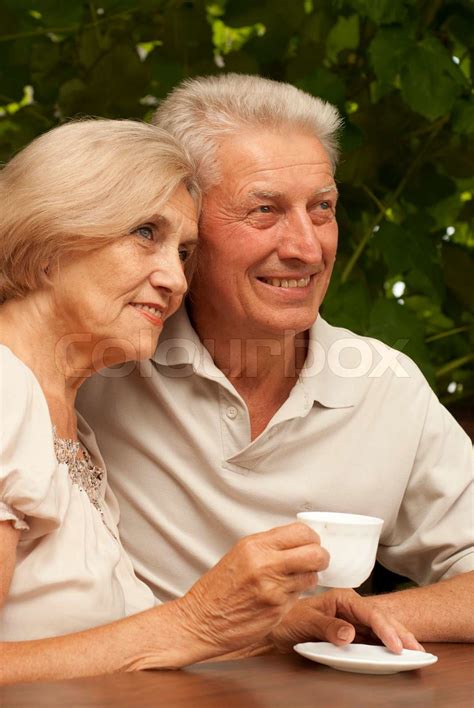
[240, 600]
[340, 616]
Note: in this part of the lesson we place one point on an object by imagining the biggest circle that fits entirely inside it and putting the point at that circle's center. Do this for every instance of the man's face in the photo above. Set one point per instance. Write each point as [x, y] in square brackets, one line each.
[268, 236]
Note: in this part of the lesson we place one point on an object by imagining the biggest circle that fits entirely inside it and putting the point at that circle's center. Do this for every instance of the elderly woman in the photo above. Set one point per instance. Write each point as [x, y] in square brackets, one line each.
[97, 221]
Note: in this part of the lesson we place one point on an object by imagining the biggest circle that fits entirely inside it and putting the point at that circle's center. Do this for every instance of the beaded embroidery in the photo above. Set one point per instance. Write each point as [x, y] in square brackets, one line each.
[82, 472]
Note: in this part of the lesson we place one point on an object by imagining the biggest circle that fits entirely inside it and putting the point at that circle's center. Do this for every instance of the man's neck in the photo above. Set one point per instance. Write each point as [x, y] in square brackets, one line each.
[262, 367]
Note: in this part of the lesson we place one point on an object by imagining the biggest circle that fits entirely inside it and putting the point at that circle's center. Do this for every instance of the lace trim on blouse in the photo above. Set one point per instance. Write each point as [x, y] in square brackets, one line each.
[82, 472]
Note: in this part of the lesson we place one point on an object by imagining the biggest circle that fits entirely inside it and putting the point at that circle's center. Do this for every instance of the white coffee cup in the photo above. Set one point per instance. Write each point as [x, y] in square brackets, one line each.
[351, 540]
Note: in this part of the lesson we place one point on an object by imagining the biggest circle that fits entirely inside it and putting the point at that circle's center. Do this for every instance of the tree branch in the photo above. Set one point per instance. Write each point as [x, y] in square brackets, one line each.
[449, 333]
[454, 364]
[401, 186]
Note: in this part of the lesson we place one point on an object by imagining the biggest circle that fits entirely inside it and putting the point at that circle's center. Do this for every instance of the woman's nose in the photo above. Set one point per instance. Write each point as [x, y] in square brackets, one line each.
[170, 275]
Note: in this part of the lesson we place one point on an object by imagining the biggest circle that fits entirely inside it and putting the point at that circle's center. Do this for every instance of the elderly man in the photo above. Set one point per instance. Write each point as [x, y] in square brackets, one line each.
[253, 407]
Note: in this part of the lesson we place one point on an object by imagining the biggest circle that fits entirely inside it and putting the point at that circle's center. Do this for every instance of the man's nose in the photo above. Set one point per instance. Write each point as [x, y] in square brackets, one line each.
[169, 274]
[300, 239]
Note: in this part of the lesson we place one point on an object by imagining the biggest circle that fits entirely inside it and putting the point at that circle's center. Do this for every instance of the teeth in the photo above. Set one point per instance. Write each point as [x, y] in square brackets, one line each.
[277, 283]
[153, 310]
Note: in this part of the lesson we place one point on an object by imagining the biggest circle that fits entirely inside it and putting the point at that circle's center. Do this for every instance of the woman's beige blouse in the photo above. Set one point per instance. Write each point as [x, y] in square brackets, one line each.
[71, 573]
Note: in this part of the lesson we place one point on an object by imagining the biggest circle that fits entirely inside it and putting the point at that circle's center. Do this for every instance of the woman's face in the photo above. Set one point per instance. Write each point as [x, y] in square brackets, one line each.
[111, 303]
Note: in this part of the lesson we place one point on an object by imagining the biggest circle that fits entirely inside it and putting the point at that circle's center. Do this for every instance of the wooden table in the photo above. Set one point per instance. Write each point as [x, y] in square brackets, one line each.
[264, 682]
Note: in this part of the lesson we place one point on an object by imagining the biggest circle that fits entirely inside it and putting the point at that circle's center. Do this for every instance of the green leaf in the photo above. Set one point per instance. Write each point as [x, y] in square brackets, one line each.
[464, 235]
[348, 305]
[325, 85]
[166, 73]
[388, 51]
[230, 39]
[430, 81]
[73, 97]
[344, 35]
[400, 328]
[381, 11]
[394, 244]
[458, 268]
[463, 118]
[429, 187]
[429, 312]
[413, 254]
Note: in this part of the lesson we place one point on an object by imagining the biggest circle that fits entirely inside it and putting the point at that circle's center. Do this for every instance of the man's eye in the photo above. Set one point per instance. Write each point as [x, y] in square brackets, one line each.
[145, 232]
[325, 205]
[264, 209]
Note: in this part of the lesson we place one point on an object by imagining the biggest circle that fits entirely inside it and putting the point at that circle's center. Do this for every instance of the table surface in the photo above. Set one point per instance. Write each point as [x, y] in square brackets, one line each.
[263, 682]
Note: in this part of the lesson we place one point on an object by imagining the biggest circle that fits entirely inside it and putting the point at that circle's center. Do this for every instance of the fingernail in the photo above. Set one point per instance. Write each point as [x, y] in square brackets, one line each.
[344, 633]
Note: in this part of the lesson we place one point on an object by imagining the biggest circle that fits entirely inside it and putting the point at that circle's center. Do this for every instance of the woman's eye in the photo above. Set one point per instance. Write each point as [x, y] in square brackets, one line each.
[183, 254]
[145, 232]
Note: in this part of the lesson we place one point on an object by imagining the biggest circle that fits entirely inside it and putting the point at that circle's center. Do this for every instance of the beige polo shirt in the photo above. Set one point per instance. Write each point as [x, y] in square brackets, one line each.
[361, 432]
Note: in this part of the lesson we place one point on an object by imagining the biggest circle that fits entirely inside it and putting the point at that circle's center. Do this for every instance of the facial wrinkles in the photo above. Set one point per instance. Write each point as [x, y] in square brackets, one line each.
[238, 245]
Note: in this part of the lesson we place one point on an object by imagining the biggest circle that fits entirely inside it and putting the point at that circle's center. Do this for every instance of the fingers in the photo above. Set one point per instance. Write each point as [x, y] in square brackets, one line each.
[309, 558]
[285, 558]
[289, 536]
[385, 631]
[301, 582]
[409, 640]
[332, 629]
[304, 623]
[389, 630]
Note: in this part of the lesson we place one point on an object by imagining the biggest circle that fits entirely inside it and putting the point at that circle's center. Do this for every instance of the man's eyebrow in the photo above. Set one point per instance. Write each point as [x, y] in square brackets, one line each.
[267, 194]
[263, 194]
[324, 190]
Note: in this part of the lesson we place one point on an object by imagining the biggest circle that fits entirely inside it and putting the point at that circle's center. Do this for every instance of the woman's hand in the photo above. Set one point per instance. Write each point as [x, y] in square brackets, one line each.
[253, 587]
[340, 616]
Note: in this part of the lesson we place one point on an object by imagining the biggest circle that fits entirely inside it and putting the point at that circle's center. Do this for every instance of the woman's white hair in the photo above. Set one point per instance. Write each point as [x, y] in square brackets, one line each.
[201, 110]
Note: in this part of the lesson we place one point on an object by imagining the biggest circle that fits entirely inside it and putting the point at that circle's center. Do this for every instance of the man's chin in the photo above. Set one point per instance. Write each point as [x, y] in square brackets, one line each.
[286, 324]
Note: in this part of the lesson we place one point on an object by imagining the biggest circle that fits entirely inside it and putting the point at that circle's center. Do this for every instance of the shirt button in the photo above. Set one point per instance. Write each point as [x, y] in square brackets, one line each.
[231, 412]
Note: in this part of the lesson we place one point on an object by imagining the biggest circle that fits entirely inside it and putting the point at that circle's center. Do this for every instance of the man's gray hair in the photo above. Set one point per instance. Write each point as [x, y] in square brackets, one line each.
[203, 109]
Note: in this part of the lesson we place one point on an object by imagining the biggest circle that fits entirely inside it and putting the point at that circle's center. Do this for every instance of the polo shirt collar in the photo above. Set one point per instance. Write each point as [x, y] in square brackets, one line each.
[180, 346]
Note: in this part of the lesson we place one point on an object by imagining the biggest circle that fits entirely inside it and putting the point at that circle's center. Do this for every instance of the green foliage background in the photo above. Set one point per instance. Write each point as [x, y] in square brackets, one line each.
[399, 71]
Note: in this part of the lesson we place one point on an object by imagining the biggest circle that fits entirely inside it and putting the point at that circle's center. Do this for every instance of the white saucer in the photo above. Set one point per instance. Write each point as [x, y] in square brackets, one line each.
[364, 658]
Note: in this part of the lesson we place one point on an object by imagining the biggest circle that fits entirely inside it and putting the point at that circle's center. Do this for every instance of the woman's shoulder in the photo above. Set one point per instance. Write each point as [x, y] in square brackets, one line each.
[13, 371]
[29, 480]
[20, 392]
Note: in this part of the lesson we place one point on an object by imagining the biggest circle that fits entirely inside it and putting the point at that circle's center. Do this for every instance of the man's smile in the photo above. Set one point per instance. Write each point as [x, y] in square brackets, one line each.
[286, 282]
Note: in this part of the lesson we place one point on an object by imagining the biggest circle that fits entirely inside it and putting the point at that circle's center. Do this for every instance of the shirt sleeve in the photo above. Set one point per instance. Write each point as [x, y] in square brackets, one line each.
[32, 485]
[433, 538]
